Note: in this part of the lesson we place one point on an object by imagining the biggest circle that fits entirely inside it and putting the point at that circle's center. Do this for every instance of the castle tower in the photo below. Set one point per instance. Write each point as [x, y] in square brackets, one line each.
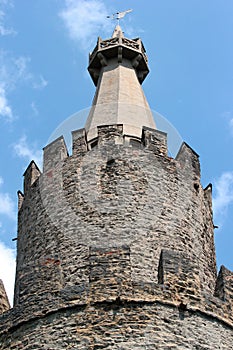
[115, 244]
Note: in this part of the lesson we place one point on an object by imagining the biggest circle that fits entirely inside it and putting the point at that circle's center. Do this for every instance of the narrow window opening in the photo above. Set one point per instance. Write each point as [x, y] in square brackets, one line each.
[110, 162]
[94, 144]
[135, 143]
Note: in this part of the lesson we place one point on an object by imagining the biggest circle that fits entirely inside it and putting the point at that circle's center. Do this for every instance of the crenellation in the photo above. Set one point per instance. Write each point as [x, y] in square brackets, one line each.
[31, 174]
[79, 143]
[113, 133]
[54, 154]
[155, 140]
[224, 286]
[189, 159]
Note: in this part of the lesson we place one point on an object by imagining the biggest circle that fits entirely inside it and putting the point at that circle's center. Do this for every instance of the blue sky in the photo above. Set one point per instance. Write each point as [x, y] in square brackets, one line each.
[43, 80]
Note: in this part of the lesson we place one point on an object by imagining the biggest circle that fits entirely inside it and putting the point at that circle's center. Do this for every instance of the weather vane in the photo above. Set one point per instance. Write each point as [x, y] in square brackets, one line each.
[119, 15]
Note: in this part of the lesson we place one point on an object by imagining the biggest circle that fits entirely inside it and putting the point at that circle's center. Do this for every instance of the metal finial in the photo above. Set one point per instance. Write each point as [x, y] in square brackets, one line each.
[119, 15]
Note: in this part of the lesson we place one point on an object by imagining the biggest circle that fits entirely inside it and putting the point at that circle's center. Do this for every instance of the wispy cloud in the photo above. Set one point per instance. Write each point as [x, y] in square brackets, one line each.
[34, 108]
[40, 83]
[15, 71]
[228, 116]
[7, 269]
[21, 67]
[83, 19]
[27, 152]
[4, 29]
[12, 72]
[5, 108]
[223, 194]
[7, 206]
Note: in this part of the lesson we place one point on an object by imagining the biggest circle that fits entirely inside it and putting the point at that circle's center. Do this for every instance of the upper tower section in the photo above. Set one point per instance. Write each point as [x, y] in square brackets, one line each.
[120, 48]
[118, 67]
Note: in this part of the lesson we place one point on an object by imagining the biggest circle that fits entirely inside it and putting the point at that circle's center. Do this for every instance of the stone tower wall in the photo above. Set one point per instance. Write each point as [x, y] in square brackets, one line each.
[126, 326]
[131, 197]
[116, 250]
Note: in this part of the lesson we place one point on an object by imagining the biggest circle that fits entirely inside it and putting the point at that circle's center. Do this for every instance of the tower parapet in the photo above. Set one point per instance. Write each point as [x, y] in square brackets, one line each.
[121, 48]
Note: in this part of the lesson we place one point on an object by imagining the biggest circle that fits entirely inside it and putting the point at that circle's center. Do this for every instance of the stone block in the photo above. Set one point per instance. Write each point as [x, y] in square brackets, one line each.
[178, 273]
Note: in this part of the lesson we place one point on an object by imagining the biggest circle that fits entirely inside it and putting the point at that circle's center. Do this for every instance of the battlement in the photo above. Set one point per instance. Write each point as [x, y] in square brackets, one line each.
[151, 140]
[31, 174]
[54, 154]
[137, 164]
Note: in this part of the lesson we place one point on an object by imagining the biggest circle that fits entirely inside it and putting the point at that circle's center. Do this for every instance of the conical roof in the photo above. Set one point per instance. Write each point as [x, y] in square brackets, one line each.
[118, 66]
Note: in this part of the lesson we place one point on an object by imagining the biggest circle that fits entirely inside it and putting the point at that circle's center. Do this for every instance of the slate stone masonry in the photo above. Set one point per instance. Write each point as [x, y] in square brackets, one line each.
[115, 250]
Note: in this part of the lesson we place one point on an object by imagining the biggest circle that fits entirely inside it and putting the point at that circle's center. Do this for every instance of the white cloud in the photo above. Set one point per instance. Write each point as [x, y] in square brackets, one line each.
[41, 83]
[7, 269]
[228, 116]
[15, 71]
[34, 108]
[224, 194]
[20, 66]
[4, 30]
[5, 108]
[84, 19]
[28, 152]
[7, 206]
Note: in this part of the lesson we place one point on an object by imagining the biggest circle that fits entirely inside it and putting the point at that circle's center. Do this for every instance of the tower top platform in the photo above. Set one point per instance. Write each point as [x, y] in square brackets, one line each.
[118, 47]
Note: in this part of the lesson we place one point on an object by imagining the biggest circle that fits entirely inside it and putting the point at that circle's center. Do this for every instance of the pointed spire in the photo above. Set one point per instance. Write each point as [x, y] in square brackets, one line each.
[117, 33]
[118, 67]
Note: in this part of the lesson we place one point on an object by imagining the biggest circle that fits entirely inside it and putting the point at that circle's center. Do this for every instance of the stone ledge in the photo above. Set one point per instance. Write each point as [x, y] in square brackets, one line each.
[141, 293]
